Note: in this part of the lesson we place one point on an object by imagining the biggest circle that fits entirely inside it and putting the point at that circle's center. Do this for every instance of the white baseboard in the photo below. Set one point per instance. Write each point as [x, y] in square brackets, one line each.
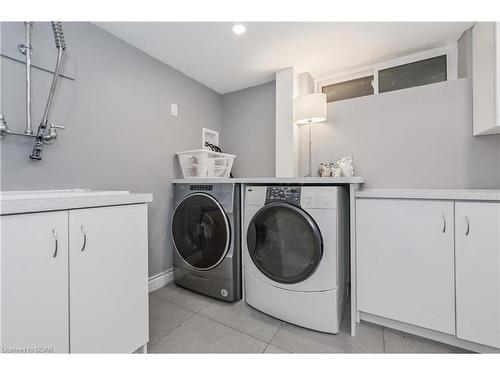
[160, 280]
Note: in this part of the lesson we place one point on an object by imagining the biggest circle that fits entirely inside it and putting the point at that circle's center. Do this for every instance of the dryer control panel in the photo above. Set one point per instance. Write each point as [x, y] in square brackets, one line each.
[288, 194]
[320, 197]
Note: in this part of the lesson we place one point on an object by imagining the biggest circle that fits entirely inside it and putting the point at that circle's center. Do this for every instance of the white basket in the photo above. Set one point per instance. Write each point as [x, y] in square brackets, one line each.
[204, 163]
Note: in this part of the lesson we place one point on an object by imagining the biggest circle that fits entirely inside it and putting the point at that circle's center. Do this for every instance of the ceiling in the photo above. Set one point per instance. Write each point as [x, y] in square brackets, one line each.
[212, 54]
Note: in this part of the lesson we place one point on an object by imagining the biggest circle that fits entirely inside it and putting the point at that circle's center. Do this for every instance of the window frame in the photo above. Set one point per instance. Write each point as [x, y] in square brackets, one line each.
[450, 50]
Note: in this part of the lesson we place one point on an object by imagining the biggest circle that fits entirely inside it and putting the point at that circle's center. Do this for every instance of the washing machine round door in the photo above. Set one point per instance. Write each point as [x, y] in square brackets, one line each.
[201, 231]
[285, 243]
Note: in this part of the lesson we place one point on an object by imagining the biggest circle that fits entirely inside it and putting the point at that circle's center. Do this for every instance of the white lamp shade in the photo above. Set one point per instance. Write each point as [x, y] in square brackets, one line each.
[310, 108]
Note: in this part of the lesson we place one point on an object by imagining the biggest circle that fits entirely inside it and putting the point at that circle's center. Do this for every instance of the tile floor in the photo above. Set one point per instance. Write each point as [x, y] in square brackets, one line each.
[182, 321]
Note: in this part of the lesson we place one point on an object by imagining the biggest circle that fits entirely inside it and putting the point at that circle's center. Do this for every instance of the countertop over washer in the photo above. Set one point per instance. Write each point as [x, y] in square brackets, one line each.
[275, 180]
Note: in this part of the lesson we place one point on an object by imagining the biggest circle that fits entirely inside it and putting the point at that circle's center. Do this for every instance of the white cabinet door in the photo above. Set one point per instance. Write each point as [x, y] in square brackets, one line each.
[478, 272]
[108, 279]
[405, 261]
[34, 279]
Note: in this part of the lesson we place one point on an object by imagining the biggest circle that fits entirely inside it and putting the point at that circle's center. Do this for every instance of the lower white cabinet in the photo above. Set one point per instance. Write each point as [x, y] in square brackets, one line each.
[75, 281]
[405, 261]
[478, 271]
[432, 264]
[108, 270]
[34, 279]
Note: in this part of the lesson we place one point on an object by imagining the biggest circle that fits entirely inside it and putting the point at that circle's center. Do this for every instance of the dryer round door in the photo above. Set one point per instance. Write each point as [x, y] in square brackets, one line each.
[284, 243]
[201, 231]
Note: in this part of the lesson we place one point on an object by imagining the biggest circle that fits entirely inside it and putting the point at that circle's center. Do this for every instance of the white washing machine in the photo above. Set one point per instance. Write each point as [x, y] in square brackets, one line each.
[295, 253]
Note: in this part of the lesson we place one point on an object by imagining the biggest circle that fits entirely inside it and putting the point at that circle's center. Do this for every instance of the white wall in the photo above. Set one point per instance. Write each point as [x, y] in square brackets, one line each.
[415, 138]
[248, 131]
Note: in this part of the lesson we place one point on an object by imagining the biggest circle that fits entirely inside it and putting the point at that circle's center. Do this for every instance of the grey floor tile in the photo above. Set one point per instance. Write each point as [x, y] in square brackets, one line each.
[368, 339]
[203, 335]
[164, 317]
[400, 342]
[183, 297]
[271, 349]
[244, 318]
[221, 327]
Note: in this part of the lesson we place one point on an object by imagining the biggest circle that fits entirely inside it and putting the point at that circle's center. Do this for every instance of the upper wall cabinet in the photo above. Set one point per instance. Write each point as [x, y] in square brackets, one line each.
[486, 79]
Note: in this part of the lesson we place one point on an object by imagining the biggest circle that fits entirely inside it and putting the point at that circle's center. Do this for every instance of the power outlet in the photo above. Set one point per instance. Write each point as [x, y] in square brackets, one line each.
[173, 110]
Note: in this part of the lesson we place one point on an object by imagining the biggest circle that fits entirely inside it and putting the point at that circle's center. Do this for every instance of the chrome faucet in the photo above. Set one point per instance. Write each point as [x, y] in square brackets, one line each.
[46, 132]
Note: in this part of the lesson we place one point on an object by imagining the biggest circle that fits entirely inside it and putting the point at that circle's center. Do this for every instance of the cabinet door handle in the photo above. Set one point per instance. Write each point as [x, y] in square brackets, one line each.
[54, 233]
[444, 222]
[467, 223]
[84, 238]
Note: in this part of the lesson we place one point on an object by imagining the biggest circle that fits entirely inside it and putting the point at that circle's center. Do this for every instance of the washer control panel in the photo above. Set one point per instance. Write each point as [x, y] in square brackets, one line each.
[288, 194]
[201, 187]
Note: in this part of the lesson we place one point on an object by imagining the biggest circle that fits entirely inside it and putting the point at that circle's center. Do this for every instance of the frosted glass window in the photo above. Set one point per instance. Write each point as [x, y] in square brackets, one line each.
[418, 73]
[349, 89]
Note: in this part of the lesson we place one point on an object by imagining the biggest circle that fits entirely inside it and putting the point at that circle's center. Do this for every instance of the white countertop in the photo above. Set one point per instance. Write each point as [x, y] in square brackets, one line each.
[274, 180]
[446, 194]
[16, 202]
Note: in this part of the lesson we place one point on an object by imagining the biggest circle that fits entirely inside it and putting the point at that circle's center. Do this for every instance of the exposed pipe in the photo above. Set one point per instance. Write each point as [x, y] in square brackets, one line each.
[26, 49]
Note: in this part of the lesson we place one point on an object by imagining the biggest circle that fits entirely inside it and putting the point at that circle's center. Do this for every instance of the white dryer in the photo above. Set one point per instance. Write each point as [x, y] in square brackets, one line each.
[295, 253]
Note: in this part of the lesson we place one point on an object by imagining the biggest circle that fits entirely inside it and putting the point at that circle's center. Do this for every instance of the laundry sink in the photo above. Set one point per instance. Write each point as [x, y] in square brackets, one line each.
[62, 193]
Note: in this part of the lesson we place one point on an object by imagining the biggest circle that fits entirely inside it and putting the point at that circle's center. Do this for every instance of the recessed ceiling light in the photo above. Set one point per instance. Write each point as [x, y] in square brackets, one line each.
[239, 29]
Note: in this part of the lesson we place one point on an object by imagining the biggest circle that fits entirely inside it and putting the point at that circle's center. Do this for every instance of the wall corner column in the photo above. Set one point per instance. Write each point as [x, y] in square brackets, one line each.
[287, 135]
